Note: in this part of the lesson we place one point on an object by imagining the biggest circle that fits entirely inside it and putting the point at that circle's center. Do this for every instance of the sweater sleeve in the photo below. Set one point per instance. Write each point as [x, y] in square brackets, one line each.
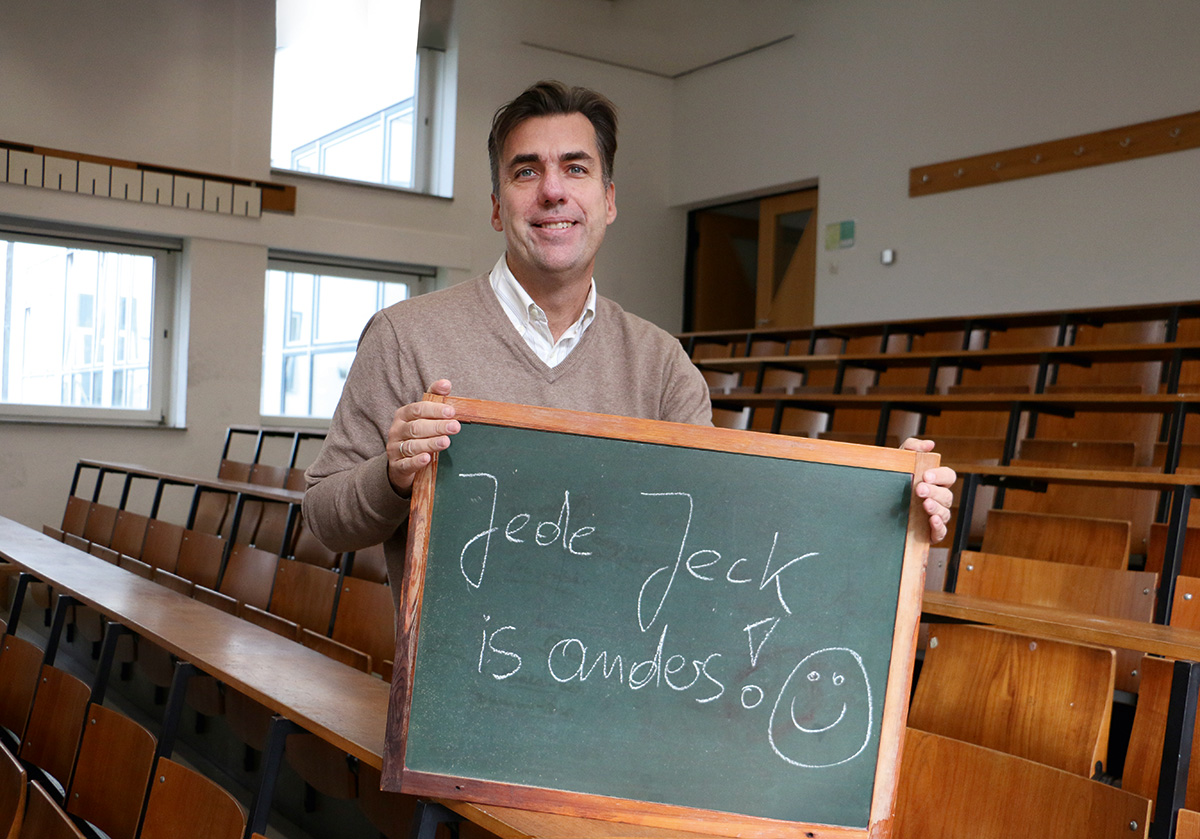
[350, 503]
[685, 392]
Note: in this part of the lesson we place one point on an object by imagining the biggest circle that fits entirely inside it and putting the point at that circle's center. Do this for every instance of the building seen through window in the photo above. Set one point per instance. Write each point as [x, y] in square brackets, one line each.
[346, 90]
[77, 327]
[311, 328]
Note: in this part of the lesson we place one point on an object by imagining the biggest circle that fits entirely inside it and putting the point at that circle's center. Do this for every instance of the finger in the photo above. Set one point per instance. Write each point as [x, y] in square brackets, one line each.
[940, 476]
[937, 530]
[933, 508]
[912, 444]
[423, 410]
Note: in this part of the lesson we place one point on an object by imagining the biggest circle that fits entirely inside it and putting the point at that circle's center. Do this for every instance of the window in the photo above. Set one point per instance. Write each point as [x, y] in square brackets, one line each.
[356, 96]
[313, 317]
[85, 328]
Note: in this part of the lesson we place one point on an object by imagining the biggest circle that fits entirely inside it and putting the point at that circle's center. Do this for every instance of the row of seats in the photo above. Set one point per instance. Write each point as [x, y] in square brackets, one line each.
[67, 761]
[310, 603]
[339, 605]
[981, 691]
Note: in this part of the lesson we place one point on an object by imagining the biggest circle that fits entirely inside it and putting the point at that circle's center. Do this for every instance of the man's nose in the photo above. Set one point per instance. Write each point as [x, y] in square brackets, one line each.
[553, 188]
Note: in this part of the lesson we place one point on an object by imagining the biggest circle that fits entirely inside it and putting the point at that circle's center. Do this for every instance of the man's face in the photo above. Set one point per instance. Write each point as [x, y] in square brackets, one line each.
[553, 206]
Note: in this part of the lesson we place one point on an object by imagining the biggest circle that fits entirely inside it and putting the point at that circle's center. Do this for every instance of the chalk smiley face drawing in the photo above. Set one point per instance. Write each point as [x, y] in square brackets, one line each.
[819, 719]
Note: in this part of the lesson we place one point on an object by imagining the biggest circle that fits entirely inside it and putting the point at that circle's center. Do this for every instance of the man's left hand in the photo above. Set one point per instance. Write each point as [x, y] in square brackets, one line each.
[934, 491]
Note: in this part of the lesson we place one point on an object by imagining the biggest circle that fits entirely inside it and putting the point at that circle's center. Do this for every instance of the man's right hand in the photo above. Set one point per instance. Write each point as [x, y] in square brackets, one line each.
[418, 430]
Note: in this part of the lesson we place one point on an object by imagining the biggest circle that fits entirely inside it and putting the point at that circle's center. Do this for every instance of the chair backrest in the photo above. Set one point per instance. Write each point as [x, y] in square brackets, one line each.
[200, 558]
[1136, 506]
[264, 474]
[1187, 825]
[1099, 591]
[185, 803]
[370, 563]
[55, 723]
[1091, 454]
[100, 522]
[1185, 609]
[1078, 540]
[234, 470]
[12, 794]
[112, 772]
[1156, 548]
[309, 549]
[249, 575]
[129, 533]
[44, 819]
[162, 544]
[950, 789]
[1143, 757]
[75, 515]
[336, 650]
[1048, 701]
[20, 664]
[366, 620]
[304, 594]
[212, 508]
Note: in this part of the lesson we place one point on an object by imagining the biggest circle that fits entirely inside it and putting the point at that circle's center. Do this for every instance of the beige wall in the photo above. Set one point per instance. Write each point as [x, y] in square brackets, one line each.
[866, 90]
[869, 89]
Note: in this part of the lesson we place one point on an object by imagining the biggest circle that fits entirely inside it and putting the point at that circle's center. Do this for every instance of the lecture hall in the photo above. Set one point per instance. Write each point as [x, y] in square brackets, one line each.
[844, 225]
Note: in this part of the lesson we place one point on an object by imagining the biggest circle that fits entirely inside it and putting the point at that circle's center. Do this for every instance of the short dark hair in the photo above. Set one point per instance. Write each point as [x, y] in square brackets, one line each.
[553, 98]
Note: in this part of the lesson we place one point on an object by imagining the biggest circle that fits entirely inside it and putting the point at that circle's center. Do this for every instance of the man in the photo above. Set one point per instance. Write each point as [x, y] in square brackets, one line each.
[531, 332]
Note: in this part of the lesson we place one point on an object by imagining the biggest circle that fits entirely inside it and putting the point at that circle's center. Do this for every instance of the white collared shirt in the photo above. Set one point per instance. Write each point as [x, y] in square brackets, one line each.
[530, 321]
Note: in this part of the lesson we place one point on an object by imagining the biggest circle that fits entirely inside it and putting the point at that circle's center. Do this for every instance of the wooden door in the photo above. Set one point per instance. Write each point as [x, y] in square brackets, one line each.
[724, 276]
[787, 260]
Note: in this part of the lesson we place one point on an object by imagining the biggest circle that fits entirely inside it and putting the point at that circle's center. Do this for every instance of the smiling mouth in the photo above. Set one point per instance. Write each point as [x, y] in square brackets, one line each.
[555, 225]
[815, 730]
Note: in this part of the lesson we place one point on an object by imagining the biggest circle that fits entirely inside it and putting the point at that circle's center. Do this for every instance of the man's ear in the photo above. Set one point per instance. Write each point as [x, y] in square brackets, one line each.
[497, 222]
[611, 199]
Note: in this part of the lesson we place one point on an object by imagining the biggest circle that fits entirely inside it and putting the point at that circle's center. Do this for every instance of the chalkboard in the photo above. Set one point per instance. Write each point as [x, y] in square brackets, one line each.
[648, 622]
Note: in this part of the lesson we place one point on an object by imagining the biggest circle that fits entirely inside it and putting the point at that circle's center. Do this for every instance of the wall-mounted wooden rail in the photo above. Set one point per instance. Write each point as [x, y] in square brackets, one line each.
[144, 183]
[1129, 142]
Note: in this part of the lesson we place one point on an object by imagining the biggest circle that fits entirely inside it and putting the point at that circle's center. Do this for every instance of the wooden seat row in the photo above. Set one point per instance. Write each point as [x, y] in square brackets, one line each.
[1161, 322]
[76, 761]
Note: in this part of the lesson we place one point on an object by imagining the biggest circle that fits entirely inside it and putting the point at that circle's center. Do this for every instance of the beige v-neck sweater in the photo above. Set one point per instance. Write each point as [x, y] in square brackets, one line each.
[623, 365]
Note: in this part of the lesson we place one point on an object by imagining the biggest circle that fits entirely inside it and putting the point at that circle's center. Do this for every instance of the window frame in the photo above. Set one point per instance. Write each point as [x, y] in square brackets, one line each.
[420, 279]
[433, 115]
[167, 256]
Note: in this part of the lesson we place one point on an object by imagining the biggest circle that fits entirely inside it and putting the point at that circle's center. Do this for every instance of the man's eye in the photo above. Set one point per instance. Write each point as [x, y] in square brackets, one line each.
[523, 173]
[577, 170]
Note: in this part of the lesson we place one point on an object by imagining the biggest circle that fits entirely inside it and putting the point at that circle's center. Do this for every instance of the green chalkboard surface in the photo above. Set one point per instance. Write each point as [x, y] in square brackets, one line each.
[681, 627]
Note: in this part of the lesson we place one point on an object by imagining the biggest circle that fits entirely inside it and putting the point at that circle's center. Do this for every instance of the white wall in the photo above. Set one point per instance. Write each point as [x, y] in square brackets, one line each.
[869, 89]
[188, 85]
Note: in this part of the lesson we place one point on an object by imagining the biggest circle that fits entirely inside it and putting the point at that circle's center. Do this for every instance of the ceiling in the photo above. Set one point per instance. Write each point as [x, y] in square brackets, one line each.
[668, 38]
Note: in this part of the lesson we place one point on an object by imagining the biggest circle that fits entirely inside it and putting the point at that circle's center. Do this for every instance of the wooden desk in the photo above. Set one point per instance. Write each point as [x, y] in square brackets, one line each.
[241, 491]
[1182, 488]
[1082, 628]
[339, 704]
[1171, 313]
[1173, 354]
[1173, 406]
[1052, 622]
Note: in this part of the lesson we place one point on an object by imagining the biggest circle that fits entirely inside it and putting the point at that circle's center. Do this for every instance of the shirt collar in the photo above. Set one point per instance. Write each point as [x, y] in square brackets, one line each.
[523, 311]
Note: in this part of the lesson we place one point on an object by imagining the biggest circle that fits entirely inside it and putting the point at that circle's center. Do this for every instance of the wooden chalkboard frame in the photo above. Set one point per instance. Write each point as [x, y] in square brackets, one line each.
[398, 777]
